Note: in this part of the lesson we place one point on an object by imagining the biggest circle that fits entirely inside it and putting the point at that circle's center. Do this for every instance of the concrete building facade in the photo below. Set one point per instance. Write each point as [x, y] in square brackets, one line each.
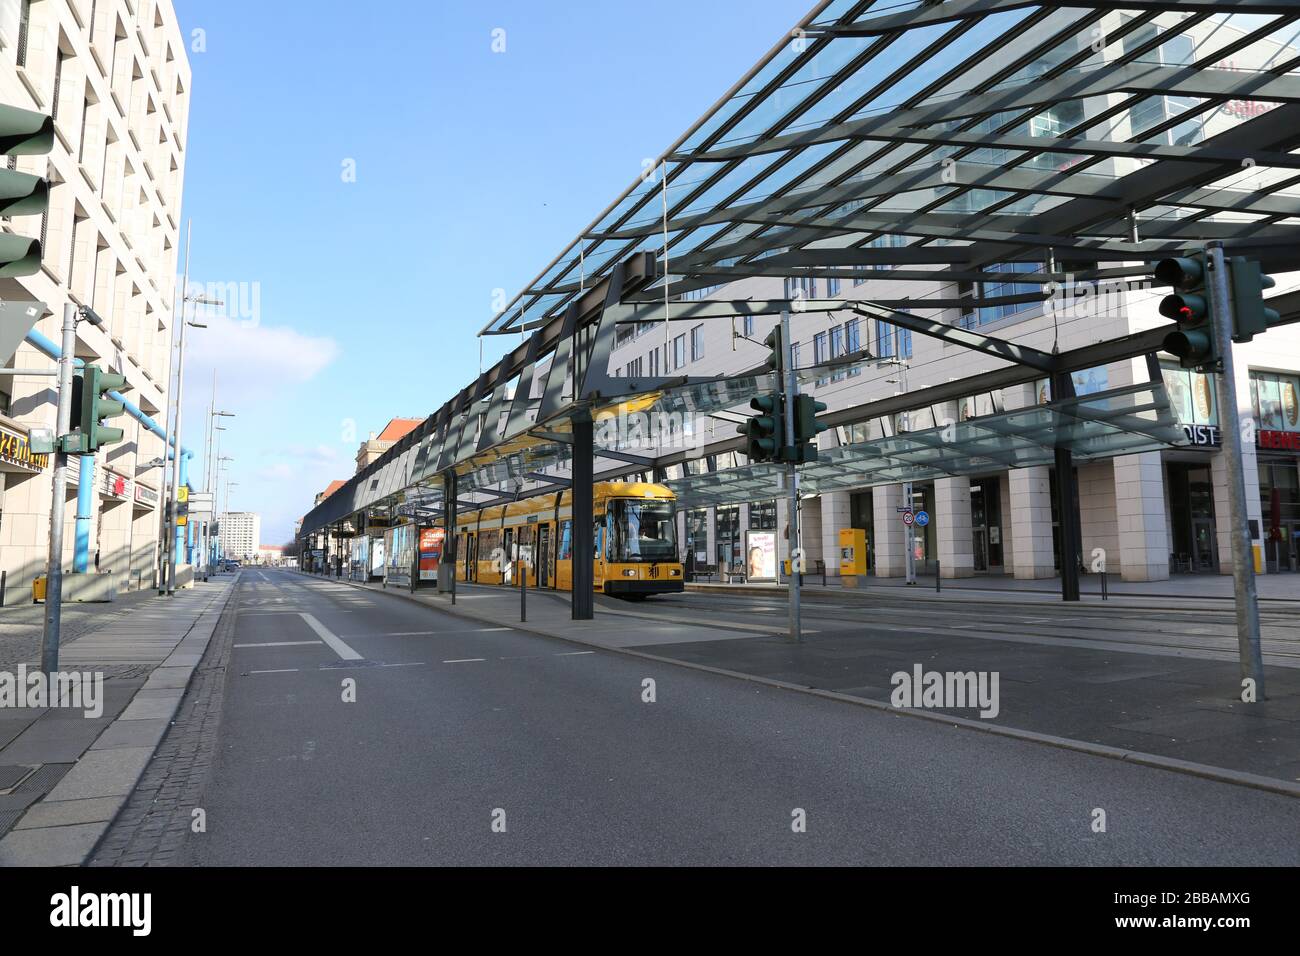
[115, 76]
[241, 535]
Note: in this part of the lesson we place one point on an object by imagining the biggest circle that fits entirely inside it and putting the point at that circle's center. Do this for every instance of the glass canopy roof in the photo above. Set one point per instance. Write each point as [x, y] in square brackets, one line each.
[946, 138]
[1121, 421]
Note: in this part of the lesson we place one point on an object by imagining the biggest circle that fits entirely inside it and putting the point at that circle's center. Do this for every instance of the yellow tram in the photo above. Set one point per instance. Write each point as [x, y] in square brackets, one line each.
[635, 541]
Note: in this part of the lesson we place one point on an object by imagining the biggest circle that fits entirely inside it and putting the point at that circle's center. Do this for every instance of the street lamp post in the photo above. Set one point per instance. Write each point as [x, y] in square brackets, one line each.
[170, 544]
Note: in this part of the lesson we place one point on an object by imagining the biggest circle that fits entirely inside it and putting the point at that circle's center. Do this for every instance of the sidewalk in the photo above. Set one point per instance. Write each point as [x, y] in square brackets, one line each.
[1174, 712]
[65, 774]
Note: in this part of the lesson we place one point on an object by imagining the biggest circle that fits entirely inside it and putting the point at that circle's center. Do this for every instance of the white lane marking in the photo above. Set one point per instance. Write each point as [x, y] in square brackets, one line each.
[329, 637]
[574, 653]
[292, 670]
[487, 630]
[281, 644]
[467, 660]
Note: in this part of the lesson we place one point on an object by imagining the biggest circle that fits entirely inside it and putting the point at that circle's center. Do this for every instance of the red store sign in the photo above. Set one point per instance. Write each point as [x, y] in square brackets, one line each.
[1280, 441]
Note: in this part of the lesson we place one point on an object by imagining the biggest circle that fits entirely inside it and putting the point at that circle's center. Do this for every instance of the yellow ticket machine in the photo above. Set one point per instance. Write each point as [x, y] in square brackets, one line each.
[853, 555]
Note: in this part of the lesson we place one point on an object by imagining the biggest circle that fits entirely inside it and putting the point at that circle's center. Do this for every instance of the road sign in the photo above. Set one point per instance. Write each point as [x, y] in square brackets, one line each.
[16, 320]
[908, 518]
[923, 518]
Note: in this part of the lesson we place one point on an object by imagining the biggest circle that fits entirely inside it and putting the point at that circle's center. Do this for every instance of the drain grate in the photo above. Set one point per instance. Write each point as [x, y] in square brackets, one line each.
[45, 777]
[9, 819]
[12, 774]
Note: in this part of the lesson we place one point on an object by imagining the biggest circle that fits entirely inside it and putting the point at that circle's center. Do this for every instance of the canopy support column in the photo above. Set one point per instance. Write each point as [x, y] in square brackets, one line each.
[583, 557]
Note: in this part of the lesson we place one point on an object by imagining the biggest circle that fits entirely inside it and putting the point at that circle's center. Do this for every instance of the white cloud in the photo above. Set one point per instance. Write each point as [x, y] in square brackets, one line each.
[253, 362]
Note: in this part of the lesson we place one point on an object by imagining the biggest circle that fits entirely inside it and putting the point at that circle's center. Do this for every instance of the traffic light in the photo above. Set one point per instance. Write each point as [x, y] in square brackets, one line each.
[806, 429]
[776, 361]
[1249, 314]
[22, 133]
[90, 406]
[1194, 341]
[766, 430]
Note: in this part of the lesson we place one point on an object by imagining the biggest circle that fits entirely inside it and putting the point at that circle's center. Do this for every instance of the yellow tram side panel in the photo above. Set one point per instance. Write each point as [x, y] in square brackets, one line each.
[487, 528]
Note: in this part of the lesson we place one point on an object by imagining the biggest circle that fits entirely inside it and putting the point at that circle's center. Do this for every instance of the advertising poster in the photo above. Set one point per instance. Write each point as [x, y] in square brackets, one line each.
[431, 540]
[760, 555]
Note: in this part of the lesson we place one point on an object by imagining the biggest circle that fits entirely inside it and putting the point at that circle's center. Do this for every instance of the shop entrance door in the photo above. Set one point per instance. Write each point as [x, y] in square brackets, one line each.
[1205, 545]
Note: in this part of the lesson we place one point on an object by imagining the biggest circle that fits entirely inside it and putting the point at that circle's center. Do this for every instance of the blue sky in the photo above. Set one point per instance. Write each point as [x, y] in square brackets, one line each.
[359, 301]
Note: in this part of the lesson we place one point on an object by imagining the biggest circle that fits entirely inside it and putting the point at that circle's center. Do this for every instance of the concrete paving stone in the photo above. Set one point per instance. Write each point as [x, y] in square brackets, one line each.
[62, 813]
[132, 733]
[50, 846]
[53, 741]
[168, 677]
[102, 773]
[153, 707]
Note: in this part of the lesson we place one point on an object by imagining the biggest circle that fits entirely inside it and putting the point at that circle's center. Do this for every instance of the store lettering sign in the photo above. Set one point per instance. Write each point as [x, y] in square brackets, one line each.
[1279, 441]
[1203, 436]
[15, 450]
[145, 495]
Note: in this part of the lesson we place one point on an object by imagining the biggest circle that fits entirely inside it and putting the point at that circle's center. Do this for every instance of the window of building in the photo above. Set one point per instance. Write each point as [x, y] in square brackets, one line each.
[697, 343]
[994, 313]
[832, 288]
[634, 368]
[892, 341]
[800, 288]
[762, 516]
[679, 351]
[748, 325]
[654, 363]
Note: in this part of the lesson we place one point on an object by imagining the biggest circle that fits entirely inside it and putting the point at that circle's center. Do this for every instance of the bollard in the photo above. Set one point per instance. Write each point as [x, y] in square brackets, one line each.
[1105, 593]
[938, 577]
[522, 570]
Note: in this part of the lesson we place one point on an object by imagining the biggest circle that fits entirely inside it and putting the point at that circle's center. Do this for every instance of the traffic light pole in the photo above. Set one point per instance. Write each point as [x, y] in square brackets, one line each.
[787, 361]
[1243, 559]
[58, 502]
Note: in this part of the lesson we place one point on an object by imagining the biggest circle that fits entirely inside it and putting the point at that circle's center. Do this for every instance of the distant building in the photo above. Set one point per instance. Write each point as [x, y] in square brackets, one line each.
[241, 535]
[376, 445]
[270, 554]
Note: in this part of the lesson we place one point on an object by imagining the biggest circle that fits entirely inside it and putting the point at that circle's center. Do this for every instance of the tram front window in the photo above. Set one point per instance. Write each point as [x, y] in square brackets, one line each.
[643, 531]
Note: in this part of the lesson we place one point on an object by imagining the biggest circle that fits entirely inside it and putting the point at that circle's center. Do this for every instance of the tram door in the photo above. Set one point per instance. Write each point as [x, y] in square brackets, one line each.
[543, 556]
[471, 557]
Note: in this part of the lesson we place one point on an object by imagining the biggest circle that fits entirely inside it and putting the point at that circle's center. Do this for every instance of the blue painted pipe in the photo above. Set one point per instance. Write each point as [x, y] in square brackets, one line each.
[85, 509]
[86, 478]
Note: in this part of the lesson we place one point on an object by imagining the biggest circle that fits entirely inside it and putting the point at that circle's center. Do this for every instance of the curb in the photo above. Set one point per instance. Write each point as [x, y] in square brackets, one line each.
[66, 825]
[1171, 764]
[1118, 600]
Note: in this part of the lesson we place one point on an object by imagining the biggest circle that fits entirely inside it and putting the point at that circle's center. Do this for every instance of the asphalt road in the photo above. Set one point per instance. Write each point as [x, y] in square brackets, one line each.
[455, 725]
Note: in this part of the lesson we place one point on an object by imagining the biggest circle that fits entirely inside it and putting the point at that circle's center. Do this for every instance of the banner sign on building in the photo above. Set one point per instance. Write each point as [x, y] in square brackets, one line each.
[16, 450]
[116, 486]
[145, 495]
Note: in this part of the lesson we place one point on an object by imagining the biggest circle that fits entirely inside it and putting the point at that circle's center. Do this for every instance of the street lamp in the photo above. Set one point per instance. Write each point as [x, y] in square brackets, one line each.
[170, 544]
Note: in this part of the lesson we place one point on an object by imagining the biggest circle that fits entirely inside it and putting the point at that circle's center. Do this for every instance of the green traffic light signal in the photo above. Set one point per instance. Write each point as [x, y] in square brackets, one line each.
[765, 431]
[91, 406]
[22, 133]
[1194, 341]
